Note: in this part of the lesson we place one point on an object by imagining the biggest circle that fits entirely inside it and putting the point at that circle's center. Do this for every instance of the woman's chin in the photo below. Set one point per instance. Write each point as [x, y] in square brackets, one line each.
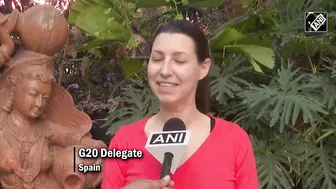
[167, 101]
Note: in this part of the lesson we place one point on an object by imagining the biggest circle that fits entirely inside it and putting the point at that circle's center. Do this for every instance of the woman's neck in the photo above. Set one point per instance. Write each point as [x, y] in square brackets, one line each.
[186, 112]
[20, 120]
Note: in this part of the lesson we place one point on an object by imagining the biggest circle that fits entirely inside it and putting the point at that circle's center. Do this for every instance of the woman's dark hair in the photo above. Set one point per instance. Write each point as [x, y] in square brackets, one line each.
[202, 51]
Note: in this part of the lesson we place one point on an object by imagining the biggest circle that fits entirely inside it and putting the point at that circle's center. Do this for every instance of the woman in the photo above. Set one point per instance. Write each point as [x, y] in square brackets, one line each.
[219, 154]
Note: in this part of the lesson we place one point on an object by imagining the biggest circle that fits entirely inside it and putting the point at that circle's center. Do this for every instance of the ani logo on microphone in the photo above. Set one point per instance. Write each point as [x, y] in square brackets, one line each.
[316, 22]
[168, 138]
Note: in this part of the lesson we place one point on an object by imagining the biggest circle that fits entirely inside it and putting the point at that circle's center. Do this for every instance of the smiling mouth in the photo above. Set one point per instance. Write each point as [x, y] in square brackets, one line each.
[162, 84]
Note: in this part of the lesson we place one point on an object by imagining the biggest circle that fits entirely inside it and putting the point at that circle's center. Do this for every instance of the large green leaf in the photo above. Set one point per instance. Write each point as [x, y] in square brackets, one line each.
[102, 19]
[115, 8]
[132, 65]
[257, 54]
[225, 37]
[266, 41]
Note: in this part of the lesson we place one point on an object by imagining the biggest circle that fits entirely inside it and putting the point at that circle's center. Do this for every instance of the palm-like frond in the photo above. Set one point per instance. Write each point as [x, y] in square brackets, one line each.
[294, 44]
[331, 67]
[289, 15]
[136, 104]
[325, 83]
[327, 90]
[272, 166]
[229, 107]
[226, 80]
[319, 171]
[286, 97]
[249, 120]
[325, 131]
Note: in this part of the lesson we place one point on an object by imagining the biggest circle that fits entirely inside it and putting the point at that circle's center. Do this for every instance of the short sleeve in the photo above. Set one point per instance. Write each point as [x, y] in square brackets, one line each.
[114, 172]
[246, 171]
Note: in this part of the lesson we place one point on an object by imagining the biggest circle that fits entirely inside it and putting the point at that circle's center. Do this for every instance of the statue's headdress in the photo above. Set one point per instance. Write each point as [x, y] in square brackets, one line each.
[31, 65]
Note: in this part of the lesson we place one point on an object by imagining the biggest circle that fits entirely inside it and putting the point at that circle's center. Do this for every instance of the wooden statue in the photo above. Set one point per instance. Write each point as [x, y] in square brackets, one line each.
[39, 123]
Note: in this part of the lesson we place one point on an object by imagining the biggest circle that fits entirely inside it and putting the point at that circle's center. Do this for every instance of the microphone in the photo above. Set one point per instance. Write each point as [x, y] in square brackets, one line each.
[168, 147]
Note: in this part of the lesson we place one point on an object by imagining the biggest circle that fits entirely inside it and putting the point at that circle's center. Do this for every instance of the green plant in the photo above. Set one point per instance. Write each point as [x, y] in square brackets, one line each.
[131, 106]
[115, 25]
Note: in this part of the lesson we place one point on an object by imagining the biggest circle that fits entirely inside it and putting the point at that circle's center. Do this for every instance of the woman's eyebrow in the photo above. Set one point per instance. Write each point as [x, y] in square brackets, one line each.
[174, 53]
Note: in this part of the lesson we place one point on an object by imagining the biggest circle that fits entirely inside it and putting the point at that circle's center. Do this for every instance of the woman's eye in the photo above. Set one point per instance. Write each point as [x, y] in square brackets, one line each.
[180, 61]
[156, 59]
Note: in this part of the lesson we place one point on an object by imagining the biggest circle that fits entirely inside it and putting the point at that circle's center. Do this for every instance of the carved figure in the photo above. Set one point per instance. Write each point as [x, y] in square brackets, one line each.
[39, 123]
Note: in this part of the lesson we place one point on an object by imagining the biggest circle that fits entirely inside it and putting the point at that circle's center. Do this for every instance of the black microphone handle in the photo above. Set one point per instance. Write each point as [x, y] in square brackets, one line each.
[167, 161]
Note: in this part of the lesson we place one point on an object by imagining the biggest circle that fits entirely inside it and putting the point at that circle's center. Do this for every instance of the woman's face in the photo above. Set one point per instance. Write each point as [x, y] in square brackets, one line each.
[31, 97]
[173, 68]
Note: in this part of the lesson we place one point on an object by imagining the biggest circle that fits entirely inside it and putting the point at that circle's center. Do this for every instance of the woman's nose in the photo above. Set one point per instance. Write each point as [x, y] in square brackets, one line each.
[166, 69]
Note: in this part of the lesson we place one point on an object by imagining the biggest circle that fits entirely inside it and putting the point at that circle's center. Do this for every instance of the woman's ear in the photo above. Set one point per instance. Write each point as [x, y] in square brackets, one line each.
[205, 67]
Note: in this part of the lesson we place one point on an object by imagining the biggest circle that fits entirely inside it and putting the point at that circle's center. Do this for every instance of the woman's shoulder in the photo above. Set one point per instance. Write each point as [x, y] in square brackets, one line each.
[135, 126]
[130, 131]
[233, 134]
[229, 127]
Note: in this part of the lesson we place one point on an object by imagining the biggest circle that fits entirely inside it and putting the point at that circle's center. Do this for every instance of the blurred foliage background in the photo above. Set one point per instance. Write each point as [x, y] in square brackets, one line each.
[269, 76]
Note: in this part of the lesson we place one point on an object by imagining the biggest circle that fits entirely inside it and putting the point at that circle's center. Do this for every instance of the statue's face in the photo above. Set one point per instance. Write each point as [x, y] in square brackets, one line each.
[31, 97]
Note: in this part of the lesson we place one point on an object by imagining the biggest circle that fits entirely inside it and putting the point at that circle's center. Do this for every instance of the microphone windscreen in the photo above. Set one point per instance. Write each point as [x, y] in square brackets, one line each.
[174, 124]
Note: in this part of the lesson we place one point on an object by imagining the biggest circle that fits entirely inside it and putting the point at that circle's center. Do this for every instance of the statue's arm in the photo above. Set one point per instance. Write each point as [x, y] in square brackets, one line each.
[88, 142]
[7, 25]
[65, 137]
[7, 46]
[62, 136]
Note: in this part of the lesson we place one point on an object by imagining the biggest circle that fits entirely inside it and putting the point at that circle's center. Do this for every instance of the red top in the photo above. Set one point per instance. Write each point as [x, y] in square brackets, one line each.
[224, 160]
